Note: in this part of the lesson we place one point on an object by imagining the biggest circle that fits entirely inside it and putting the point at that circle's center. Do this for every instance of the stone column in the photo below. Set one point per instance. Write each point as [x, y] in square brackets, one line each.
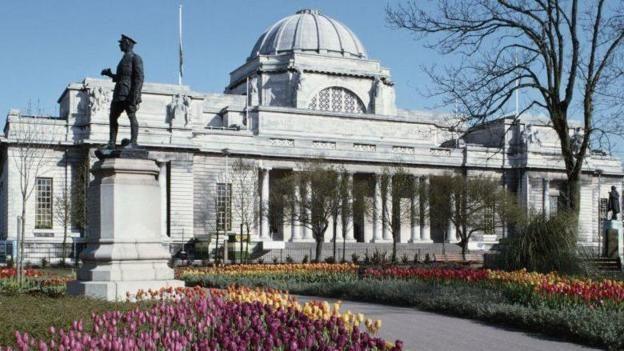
[162, 183]
[546, 196]
[451, 236]
[415, 211]
[425, 216]
[307, 233]
[387, 211]
[377, 209]
[295, 226]
[348, 220]
[264, 204]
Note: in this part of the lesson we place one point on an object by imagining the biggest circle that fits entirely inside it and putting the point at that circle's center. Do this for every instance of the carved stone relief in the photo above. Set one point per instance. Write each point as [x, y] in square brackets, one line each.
[179, 109]
[324, 144]
[282, 142]
[99, 98]
[365, 147]
[403, 149]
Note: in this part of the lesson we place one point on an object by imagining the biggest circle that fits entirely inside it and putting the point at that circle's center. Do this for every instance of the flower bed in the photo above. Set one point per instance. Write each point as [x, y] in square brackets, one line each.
[235, 319]
[552, 285]
[312, 272]
[6, 273]
[34, 281]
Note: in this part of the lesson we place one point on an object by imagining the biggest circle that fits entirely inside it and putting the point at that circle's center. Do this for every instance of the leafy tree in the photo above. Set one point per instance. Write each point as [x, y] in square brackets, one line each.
[314, 205]
[399, 185]
[472, 204]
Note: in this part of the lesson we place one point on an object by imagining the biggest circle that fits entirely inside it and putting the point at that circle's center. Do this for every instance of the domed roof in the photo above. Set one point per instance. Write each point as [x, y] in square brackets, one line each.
[309, 31]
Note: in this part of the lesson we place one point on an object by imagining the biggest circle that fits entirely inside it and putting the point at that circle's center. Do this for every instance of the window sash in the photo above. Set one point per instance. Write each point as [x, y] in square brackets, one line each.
[44, 203]
[224, 207]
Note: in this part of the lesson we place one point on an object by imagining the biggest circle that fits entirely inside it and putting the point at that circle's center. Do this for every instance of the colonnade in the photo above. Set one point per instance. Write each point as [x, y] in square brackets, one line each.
[419, 224]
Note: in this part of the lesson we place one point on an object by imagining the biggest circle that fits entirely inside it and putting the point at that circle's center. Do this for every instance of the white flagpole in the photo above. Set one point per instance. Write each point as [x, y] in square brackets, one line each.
[180, 70]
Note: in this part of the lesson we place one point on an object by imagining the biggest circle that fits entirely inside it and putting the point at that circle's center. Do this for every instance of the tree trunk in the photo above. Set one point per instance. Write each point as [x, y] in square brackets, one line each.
[64, 248]
[344, 244]
[394, 247]
[216, 248]
[240, 258]
[247, 244]
[464, 247]
[573, 191]
[319, 247]
[21, 245]
[335, 228]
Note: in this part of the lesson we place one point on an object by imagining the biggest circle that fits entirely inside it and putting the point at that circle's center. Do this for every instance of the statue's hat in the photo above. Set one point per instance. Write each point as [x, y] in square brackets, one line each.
[125, 37]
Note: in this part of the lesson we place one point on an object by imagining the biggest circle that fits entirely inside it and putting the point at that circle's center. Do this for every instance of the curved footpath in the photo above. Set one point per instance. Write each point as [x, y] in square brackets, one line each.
[423, 331]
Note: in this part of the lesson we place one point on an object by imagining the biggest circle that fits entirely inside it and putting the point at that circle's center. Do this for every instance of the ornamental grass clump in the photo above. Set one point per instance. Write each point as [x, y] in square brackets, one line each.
[544, 244]
[198, 319]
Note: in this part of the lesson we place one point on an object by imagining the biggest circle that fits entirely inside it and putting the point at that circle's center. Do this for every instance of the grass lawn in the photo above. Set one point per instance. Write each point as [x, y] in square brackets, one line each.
[36, 313]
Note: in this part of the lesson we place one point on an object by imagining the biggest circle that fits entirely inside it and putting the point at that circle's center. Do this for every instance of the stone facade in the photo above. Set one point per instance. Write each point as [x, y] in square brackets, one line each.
[295, 99]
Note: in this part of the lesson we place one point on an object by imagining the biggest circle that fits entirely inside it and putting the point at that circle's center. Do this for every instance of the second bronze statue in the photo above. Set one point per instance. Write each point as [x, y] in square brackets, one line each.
[128, 80]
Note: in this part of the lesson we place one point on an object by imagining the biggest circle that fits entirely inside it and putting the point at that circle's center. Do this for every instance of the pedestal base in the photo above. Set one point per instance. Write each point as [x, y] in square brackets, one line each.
[117, 290]
[614, 240]
[124, 252]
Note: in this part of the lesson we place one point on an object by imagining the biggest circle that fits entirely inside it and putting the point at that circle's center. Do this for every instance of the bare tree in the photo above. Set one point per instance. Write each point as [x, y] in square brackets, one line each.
[550, 49]
[79, 186]
[28, 150]
[244, 198]
[472, 204]
[62, 211]
[70, 205]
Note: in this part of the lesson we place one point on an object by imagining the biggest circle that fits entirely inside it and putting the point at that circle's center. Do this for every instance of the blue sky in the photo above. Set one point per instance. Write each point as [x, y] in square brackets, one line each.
[48, 44]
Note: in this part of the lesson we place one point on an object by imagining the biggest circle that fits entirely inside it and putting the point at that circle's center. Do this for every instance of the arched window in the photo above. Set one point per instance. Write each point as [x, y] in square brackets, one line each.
[337, 99]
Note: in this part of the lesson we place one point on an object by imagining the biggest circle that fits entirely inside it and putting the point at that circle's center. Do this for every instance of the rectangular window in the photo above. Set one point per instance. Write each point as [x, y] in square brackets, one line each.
[43, 211]
[224, 206]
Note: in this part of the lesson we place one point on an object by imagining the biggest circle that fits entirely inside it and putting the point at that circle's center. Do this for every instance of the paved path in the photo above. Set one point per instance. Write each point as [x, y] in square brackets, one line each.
[421, 331]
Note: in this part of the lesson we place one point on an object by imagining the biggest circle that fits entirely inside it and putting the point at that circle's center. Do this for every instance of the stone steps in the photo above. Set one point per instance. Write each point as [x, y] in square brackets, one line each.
[606, 264]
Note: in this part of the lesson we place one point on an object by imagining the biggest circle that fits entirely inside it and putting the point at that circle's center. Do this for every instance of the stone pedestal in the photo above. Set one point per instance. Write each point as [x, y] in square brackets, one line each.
[614, 243]
[124, 251]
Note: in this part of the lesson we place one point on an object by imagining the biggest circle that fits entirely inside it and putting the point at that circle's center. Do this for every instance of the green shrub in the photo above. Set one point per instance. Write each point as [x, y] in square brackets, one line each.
[355, 258]
[404, 259]
[544, 244]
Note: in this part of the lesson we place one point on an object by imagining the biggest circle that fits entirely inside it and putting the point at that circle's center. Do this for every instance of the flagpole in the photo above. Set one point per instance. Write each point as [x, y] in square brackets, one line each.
[180, 42]
[517, 87]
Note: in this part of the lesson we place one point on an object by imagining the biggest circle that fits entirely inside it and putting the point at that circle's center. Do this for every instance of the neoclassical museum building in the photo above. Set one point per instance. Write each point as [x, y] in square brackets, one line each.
[308, 90]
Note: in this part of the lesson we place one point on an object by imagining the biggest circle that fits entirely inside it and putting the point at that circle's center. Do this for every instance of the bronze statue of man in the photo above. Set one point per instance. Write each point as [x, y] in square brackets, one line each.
[613, 203]
[127, 94]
